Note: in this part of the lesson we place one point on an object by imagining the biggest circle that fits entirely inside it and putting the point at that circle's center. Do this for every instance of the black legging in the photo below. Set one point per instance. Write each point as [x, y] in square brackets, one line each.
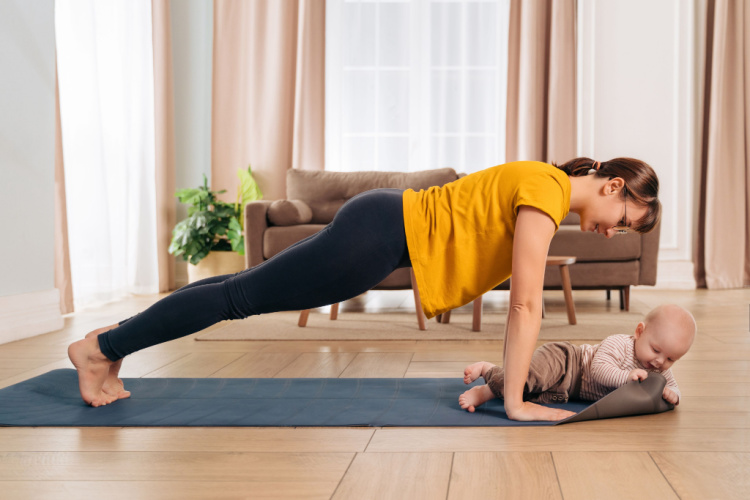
[361, 247]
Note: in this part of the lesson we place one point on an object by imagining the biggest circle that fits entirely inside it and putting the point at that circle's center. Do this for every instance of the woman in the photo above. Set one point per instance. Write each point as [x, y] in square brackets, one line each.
[462, 239]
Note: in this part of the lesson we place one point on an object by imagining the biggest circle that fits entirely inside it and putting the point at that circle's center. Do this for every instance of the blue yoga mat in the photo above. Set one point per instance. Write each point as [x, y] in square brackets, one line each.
[53, 400]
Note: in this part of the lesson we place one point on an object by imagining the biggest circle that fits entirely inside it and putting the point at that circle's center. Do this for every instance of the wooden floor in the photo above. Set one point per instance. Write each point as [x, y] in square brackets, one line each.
[699, 451]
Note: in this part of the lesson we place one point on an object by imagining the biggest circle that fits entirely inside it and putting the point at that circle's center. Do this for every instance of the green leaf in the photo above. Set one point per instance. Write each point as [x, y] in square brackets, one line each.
[181, 234]
[235, 225]
[249, 189]
[224, 210]
[199, 219]
[234, 234]
[238, 243]
[194, 259]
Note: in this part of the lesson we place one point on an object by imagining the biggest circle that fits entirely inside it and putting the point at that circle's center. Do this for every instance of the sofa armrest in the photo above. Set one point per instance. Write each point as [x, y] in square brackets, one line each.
[256, 223]
[649, 256]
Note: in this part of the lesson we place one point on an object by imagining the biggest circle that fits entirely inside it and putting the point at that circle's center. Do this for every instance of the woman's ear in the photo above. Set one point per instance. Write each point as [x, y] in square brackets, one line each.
[614, 185]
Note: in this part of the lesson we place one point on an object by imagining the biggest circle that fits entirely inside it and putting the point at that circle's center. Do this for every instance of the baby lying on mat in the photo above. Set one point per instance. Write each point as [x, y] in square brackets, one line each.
[560, 370]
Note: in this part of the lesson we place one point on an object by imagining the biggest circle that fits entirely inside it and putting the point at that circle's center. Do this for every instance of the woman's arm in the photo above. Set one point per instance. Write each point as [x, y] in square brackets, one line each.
[533, 233]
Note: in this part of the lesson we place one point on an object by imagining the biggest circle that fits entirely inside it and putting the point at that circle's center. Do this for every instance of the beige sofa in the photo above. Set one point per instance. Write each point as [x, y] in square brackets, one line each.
[314, 197]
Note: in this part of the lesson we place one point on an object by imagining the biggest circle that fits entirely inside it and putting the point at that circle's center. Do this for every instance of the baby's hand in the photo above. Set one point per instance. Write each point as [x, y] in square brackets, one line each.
[670, 396]
[637, 374]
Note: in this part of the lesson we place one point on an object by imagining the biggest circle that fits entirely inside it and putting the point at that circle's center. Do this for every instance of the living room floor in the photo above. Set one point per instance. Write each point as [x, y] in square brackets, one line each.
[701, 450]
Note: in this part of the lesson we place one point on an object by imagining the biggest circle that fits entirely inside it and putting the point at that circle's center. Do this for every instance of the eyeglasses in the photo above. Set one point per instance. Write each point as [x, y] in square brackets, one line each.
[622, 227]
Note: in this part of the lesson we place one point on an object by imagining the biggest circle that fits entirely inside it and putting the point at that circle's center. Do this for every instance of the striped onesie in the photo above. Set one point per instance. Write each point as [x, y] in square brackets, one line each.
[606, 366]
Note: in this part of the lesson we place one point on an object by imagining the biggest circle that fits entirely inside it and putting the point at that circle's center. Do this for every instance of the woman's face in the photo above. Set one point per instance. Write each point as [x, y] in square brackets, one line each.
[609, 209]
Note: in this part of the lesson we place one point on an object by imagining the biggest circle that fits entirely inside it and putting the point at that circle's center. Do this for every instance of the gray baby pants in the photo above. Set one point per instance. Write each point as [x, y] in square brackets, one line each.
[554, 374]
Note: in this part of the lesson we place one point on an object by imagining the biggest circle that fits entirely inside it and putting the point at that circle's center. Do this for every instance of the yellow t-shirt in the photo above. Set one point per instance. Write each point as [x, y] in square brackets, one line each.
[460, 235]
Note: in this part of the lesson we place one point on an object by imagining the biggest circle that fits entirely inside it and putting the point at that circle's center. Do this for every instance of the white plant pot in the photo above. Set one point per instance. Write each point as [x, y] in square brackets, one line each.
[216, 263]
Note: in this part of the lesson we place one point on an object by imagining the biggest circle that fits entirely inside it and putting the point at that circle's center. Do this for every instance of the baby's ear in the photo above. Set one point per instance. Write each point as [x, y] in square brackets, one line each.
[639, 329]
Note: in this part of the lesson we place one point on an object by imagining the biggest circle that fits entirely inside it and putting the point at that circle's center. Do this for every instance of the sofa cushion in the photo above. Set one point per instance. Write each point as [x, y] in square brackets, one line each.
[276, 239]
[592, 247]
[289, 213]
[325, 192]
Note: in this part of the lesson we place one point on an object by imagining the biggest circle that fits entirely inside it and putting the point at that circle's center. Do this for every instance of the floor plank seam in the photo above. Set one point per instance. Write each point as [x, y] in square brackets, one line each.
[145, 375]
[348, 365]
[341, 480]
[557, 476]
[406, 370]
[662, 475]
[450, 476]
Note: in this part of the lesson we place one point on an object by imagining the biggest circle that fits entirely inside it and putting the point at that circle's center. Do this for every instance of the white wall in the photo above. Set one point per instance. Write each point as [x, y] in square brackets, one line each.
[29, 303]
[637, 98]
[192, 57]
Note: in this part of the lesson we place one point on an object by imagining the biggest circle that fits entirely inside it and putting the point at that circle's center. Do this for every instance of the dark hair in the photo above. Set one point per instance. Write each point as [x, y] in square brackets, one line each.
[641, 184]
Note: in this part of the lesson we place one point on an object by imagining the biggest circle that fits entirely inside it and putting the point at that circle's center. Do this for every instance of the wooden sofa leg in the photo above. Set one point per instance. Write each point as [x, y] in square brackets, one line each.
[334, 311]
[476, 321]
[625, 298]
[303, 317]
[421, 319]
[609, 295]
[445, 317]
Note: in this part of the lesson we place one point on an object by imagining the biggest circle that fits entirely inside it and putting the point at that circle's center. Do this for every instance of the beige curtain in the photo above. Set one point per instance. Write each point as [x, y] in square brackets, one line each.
[541, 109]
[164, 141]
[62, 254]
[268, 91]
[723, 243]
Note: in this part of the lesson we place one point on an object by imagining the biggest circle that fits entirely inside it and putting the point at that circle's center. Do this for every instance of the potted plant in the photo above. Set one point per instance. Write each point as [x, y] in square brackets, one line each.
[211, 237]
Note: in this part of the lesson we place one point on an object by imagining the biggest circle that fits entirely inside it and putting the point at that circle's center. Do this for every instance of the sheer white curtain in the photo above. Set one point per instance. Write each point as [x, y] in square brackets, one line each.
[416, 84]
[105, 68]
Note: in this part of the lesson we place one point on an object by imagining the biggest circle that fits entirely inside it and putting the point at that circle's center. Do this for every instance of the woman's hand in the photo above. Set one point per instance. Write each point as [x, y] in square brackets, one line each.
[529, 411]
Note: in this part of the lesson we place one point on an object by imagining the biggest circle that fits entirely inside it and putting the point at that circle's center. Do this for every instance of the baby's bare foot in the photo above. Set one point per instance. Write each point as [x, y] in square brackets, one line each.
[473, 372]
[113, 385]
[476, 396]
[93, 368]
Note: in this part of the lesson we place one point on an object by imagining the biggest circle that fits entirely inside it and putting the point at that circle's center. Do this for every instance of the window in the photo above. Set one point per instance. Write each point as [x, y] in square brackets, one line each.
[415, 84]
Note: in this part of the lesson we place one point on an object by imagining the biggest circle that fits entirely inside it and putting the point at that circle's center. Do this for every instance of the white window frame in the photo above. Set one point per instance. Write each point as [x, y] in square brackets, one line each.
[420, 134]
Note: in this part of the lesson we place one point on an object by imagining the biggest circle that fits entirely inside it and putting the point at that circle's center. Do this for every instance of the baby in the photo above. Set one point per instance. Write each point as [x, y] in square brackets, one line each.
[560, 370]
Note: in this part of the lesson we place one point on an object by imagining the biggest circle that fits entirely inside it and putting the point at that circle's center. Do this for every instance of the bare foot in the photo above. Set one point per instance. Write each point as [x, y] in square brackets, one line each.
[476, 396]
[93, 368]
[473, 372]
[113, 385]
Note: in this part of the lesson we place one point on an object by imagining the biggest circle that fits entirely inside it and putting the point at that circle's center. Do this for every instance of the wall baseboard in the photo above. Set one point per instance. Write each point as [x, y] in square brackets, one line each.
[29, 314]
[675, 275]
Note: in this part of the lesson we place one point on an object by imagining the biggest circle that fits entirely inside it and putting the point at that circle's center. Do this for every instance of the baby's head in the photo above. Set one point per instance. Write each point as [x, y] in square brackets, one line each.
[664, 337]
